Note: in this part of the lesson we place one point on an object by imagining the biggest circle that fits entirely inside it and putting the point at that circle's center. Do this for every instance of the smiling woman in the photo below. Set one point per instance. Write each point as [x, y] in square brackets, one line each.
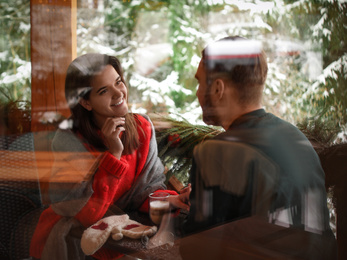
[94, 84]
[122, 168]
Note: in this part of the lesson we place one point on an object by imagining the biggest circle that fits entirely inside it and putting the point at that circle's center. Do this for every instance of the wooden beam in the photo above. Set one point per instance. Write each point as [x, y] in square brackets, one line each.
[53, 47]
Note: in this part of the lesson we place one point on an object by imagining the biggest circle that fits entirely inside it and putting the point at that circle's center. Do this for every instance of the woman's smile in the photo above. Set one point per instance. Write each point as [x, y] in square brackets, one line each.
[119, 103]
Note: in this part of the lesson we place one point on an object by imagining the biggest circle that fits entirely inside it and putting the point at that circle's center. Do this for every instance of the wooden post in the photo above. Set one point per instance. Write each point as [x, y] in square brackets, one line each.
[53, 47]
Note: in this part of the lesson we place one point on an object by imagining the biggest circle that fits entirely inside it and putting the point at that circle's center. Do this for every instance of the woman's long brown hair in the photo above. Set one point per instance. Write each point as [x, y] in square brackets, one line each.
[78, 85]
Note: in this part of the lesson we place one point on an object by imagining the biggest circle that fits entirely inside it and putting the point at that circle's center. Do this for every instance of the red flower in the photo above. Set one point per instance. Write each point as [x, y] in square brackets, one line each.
[174, 139]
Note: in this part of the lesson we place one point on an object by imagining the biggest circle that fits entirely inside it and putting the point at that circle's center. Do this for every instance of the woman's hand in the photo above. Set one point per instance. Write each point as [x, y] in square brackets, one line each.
[182, 200]
[111, 130]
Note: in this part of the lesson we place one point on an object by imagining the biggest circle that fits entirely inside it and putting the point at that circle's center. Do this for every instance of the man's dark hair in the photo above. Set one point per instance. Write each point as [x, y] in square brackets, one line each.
[246, 71]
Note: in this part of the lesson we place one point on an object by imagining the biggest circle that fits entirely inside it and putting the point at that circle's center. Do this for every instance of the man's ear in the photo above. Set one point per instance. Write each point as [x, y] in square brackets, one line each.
[218, 88]
[85, 103]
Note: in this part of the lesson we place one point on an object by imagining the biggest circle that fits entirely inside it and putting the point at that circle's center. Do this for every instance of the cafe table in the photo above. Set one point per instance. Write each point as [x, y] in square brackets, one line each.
[248, 238]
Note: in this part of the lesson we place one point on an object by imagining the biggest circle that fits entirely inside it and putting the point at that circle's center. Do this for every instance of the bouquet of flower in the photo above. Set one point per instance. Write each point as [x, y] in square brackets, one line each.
[176, 140]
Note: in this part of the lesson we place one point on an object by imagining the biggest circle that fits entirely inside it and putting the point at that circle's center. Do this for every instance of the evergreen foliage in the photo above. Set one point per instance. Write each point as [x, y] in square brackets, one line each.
[15, 70]
[119, 28]
[176, 141]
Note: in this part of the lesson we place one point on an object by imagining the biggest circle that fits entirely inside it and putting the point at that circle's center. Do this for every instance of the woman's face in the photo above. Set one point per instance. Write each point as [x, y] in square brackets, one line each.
[107, 97]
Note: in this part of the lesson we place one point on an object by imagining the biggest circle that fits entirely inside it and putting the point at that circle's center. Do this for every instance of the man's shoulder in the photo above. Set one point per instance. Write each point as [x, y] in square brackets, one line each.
[221, 148]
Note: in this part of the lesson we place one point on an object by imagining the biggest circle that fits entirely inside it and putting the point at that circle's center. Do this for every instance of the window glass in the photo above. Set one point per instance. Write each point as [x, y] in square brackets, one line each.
[159, 45]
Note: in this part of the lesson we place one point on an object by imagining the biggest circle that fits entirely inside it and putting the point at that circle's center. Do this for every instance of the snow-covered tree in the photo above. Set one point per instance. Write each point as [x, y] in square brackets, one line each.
[159, 43]
[15, 68]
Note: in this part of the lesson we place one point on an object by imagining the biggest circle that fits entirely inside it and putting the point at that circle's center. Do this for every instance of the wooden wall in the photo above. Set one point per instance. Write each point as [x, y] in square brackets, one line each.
[53, 47]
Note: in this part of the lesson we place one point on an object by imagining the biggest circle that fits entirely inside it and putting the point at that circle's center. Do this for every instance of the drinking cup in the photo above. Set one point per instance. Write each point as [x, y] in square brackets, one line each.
[159, 205]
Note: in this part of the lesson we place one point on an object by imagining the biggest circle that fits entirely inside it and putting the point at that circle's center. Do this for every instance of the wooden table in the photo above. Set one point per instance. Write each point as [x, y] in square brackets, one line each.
[249, 238]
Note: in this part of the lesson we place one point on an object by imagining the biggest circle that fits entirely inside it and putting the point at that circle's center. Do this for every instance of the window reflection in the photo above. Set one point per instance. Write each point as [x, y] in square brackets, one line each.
[159, 44]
